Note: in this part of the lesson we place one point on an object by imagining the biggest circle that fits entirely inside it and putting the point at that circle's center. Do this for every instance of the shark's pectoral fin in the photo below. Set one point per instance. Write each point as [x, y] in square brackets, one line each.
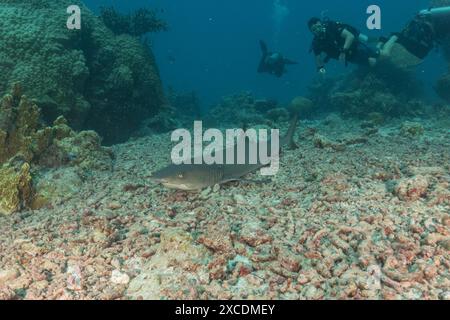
[251, 181]
[248, 181]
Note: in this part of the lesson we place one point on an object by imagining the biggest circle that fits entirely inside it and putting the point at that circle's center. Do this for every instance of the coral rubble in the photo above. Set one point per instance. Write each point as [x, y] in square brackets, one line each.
[367, 222]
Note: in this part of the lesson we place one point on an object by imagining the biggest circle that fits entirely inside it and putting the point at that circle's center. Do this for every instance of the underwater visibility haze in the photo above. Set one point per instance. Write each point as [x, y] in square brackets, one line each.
[95, 93]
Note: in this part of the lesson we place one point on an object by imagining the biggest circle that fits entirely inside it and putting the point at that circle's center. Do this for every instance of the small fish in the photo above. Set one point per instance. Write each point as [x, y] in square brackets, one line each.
[192, 177]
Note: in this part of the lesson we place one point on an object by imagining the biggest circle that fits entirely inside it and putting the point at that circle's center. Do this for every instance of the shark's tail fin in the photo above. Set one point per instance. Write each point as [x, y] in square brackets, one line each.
[288, 139]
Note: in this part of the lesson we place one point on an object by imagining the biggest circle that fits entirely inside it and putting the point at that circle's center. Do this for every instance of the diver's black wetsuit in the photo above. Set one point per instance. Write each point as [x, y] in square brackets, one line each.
[273, 63]
[332, 43]
[418, 38]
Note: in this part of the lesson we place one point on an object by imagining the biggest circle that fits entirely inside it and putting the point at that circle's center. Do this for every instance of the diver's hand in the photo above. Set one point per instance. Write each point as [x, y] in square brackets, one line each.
[343, 57]
[322, 71]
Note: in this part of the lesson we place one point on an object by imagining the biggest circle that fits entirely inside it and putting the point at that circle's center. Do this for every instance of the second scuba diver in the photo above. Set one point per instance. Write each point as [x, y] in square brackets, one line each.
[335, 40]
[421, 35]
[273, 62]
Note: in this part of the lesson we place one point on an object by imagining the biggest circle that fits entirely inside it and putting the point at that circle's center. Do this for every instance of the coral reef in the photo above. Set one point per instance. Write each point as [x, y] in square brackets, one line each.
[278, 114]
[443, 87]
[136, 24]
[183, 110]
[384, 91]
[243, 109]
[164, 121]
[26, 146]
[185, 103]
[94, 78]
[301, 106]
[443, 84]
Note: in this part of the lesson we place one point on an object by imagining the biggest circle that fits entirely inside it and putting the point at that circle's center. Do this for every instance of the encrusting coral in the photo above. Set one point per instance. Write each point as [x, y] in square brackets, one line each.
[27, 146]
[15, 187]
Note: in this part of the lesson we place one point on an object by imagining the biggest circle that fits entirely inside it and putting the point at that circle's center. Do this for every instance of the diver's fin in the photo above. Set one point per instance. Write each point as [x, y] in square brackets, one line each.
[262, 64]
[402, 58]
[250, 181]
[263, 46]
[262, 67]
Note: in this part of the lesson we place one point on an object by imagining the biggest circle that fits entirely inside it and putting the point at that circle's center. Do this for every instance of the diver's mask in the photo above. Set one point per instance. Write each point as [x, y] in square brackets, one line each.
[319, 30]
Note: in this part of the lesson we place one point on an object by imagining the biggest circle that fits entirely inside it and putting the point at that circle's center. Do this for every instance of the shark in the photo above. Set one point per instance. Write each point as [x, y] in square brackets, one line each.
[196, 177]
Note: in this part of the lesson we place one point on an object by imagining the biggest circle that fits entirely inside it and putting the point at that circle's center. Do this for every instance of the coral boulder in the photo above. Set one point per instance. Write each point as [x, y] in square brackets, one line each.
[94, 78]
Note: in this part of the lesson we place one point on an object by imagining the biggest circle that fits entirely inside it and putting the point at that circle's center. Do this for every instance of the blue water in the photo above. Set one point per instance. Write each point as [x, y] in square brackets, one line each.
[212, 46]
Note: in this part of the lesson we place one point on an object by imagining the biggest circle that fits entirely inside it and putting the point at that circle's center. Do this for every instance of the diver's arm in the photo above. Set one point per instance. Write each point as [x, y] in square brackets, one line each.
[263, 46]
[320, 64]
[262, 66]
[349, 40]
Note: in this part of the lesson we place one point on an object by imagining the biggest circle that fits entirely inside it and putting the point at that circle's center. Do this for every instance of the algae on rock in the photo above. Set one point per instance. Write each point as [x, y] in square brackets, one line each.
[27, 147]
[15, 187]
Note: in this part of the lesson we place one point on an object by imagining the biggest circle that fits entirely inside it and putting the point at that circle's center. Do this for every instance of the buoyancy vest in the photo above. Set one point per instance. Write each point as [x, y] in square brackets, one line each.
[418, 37]
[331, 43]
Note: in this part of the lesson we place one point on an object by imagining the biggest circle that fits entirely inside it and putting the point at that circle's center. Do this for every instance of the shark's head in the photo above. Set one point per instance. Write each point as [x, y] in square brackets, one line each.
[185, 177]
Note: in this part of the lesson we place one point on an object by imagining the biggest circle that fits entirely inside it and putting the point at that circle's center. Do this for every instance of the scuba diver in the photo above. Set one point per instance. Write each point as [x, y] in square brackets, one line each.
[273, 62]
[341, 42]
[420, 36]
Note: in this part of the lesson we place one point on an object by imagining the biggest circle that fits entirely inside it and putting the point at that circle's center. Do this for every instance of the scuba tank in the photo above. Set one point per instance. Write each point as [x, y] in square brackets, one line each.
[436, 12]
[363, 38]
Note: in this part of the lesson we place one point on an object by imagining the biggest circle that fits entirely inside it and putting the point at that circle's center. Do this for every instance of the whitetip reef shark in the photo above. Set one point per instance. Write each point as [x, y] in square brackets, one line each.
[195, 177]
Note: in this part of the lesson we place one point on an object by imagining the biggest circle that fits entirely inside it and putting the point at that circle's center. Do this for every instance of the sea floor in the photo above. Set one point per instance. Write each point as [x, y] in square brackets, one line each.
[354, 213]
